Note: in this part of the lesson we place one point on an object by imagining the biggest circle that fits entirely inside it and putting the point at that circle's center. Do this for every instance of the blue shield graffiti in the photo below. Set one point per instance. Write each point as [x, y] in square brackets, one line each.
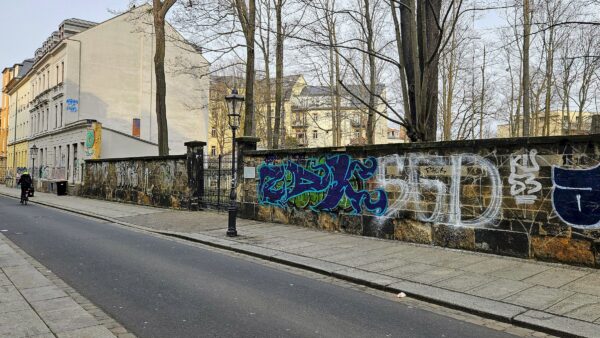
[576, 196]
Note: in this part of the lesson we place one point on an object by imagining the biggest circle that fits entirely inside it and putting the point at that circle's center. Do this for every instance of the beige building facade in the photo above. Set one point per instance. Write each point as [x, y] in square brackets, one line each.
[96, 82]
[561, 123]
[306, 115]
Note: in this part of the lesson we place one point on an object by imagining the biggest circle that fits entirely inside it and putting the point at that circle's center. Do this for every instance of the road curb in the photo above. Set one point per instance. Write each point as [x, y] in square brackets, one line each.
[484, 307]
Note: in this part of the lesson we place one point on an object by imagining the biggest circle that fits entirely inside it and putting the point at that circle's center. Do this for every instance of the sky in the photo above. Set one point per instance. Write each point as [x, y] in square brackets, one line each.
[26, 24]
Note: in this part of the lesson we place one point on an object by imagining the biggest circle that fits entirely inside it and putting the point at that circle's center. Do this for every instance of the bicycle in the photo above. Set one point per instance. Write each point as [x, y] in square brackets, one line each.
[24, 197]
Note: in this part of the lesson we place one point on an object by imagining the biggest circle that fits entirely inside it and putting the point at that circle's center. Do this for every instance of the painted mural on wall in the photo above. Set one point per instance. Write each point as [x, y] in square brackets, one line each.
[576, 196]
[93, 140]
[329, 183]
[458, 190]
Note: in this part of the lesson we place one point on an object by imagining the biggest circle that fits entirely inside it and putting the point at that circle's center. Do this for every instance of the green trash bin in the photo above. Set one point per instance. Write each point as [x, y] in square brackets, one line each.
[61, 188]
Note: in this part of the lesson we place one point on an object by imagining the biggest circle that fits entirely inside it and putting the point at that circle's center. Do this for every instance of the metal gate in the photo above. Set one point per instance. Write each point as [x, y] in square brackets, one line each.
[217, 182]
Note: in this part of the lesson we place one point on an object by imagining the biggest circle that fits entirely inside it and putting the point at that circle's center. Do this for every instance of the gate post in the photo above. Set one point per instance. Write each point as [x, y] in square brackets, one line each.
[245, 144]
[195, 171]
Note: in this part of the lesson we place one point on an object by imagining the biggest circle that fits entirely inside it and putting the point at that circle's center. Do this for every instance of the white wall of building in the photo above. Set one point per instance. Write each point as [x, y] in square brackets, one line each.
[116, 145]
[117, 84]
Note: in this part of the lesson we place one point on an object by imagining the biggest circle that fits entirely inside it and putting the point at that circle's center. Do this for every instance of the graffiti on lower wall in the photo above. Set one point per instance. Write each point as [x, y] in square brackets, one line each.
[522, 179]
[576, 196]
[329, 183]
[459, 190]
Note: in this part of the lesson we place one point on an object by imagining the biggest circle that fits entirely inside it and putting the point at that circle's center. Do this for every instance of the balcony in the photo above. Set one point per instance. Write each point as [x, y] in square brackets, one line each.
[299, 123]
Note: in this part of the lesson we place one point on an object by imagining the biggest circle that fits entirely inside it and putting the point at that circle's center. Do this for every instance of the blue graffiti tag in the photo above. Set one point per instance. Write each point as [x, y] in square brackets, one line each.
[576, 196]
[332, 176]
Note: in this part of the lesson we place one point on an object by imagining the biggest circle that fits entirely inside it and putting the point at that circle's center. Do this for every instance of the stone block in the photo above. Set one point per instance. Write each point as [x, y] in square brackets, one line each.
[247, 210]
[281, 215]
[264, 213]
[328, 221]
[352, 224]
[380, 227]
[509, 243]
[453, 237]
[409, 230]
[564, 250]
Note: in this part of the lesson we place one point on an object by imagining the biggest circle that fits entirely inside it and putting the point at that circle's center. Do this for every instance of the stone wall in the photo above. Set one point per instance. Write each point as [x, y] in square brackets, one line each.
[533, 198]
[154, 181]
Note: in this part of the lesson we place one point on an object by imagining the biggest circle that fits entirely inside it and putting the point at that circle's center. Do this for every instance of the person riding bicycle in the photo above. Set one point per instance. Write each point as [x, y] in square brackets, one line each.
[25, 181]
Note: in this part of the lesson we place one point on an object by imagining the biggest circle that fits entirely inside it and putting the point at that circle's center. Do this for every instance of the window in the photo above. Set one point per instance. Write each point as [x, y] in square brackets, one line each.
[213, 132]
[315, 134]
[213, 151]
[55, 115]
[62, 71]
[61, 114]
[48, 78]
[57, 74]
[47, 118]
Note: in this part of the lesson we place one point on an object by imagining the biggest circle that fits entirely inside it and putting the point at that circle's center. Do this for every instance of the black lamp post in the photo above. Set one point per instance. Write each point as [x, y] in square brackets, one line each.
[234, 103]
[33, 150]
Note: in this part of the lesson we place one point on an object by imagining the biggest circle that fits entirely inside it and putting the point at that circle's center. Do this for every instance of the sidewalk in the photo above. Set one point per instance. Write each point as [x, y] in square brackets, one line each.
[555, 298]
[35, 303]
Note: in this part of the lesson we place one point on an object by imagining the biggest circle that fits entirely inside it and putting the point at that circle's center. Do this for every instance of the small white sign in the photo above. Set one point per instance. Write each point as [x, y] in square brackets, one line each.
[249, 172]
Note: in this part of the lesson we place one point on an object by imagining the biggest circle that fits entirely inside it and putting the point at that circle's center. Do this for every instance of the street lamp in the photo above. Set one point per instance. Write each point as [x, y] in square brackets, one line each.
[234, 103]
[34, 150]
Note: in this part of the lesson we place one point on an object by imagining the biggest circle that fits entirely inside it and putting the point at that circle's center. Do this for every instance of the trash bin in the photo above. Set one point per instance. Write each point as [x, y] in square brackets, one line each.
[61, 188]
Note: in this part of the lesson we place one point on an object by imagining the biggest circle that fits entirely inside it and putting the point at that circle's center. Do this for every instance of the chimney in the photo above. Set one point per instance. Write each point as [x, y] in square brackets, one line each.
[136, 128]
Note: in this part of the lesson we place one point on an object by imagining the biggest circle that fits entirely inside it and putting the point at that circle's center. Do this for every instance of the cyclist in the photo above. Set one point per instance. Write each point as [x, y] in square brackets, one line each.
[25, 181]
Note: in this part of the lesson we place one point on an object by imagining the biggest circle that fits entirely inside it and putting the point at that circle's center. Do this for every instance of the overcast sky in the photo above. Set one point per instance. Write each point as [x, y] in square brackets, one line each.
[26, 24]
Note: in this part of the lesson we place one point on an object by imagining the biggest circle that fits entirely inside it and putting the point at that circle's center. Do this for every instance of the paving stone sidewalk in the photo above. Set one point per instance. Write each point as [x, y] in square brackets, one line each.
[556, 298]
[35, 303]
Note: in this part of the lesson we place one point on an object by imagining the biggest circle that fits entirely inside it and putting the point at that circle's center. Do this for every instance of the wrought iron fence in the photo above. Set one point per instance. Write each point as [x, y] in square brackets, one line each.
[217, 182]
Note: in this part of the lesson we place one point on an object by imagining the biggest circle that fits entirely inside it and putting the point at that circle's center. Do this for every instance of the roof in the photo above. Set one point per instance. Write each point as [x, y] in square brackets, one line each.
[25, 67]
[326, 90]
[77, 21]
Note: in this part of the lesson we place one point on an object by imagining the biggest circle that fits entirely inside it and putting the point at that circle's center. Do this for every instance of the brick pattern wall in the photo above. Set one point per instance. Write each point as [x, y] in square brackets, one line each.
[153, 181]
[535, 198]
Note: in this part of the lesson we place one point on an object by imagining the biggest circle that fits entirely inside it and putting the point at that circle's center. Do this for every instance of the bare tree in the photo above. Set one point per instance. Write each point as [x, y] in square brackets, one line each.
[525, 69]
[247, 18]
[159, 12]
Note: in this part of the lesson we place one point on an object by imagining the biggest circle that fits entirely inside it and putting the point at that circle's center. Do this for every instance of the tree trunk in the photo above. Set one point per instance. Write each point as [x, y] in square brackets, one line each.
[159, 12]
[278, 76]
[526, 84]
[372, 74]
[247, 18]
[549, 77]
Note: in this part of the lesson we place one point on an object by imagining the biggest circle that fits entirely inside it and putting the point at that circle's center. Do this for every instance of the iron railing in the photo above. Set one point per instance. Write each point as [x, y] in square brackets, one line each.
[217, 182]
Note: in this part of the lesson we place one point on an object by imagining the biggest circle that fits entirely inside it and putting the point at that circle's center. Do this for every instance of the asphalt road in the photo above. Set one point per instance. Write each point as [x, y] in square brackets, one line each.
[161, 288]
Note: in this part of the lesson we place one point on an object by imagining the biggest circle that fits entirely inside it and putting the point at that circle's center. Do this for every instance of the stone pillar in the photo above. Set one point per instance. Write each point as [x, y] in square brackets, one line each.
[195, 171]
[244, 144]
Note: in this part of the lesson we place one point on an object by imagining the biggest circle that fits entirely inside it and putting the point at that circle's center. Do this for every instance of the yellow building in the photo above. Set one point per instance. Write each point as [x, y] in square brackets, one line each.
[306, 115]
[560, 124]
[7, 75]
[18, 90]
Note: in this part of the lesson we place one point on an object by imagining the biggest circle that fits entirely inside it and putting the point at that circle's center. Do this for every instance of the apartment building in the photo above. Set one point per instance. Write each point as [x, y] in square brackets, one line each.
[92, 94]
[306, 114]
[19, 94]
[561, 123]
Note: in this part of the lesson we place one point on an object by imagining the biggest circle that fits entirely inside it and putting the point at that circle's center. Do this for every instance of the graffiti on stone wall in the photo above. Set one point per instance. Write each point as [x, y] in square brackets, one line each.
[414, 176]
[329, 183]
[458, 190]
[127, 175]
[522, 179]
[576, 196]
